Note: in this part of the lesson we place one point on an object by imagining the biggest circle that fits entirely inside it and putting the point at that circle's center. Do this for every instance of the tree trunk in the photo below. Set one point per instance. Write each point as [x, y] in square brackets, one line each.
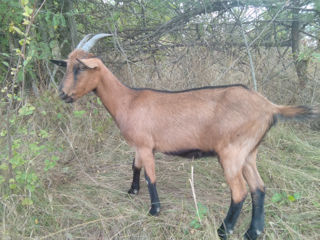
[301, 64]
[71, 23]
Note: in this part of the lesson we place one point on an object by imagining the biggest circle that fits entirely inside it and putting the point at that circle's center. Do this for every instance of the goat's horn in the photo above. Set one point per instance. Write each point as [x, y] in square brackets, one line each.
[83, 41]
[88, 45]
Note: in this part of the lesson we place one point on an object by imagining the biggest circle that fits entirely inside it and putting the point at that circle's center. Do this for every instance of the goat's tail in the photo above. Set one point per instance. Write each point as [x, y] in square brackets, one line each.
[296, 112]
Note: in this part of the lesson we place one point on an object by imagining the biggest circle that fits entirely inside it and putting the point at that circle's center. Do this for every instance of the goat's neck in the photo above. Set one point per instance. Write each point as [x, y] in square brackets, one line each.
[115, 96]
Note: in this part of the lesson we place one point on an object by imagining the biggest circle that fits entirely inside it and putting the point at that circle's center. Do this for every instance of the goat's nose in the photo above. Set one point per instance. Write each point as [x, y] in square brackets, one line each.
[69, 100]
[63, 95]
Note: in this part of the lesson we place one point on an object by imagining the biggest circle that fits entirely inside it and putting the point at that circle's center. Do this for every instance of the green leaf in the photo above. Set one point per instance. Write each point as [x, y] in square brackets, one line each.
[316, 56]
[20, 76]
[27, 202]
[26, 110]
[5, 63]
[277, 197]
[48, 165]
[5, 54]
[17, 30]
[17, 160]
[297, 196]
[79, 113]
[3, 166]
[3, 133]
[62, 20]
[56, 20]
[27, 11]
[43, 133]
[203, 210]
[53, 44]
[291, 198]
[2, 179]
[24, 2]
[195, 224]
[21, 41]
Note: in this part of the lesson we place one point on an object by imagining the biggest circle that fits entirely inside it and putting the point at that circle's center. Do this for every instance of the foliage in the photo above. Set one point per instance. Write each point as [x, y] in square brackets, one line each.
[285, 198]
[27, 146]
[203, 211]
[29, 37]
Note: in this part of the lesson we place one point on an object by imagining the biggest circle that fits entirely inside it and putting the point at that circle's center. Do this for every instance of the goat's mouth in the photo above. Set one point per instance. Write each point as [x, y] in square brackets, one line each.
[66, 98]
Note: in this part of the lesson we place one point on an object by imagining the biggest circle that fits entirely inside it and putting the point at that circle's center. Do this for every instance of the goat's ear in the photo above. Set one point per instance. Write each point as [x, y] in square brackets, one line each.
[90, 63]
[61, 63]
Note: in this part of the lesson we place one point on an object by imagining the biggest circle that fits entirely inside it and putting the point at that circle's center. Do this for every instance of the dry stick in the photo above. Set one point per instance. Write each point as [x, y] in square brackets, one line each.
[194, 194]
[249, 53]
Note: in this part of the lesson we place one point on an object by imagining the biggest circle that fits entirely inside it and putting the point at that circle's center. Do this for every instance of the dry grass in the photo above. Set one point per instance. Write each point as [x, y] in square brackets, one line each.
[84, 195]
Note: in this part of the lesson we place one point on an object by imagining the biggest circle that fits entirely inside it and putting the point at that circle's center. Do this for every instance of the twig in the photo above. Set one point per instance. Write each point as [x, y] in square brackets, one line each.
[123, 229]
[194, 194]
[249, 53]
[23, 47]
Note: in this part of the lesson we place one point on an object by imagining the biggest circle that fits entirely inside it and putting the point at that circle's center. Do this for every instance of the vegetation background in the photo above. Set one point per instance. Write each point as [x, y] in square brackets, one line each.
[65, 170]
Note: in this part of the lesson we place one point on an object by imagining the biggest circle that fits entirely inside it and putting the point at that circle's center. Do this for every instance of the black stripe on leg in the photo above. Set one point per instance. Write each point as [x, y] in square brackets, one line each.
[135, 185]
[155, 202]
[230, 220]
[257, 222]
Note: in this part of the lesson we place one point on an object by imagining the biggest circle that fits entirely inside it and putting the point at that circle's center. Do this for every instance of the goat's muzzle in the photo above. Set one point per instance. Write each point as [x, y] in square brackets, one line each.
[66, 98]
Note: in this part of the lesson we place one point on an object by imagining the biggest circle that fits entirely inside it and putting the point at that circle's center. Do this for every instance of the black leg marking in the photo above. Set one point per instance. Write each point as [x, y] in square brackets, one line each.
[135, 186]
[155, 202]
[230, 220]
[257, 222]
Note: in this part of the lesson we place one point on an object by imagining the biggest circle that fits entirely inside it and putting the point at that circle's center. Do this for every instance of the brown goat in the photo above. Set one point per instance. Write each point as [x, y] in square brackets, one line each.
[227, 121]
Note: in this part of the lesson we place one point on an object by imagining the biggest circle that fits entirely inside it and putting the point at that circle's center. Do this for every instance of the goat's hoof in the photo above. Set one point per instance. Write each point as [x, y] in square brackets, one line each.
[222, 233]
[154, 211]
[252, 234]
[133, 191]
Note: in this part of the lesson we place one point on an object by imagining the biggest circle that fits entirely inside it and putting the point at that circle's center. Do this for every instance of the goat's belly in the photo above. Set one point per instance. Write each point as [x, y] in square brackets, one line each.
[192, 153]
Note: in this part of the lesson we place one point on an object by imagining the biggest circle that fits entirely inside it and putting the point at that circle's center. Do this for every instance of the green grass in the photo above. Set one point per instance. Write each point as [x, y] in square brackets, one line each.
[84, 195]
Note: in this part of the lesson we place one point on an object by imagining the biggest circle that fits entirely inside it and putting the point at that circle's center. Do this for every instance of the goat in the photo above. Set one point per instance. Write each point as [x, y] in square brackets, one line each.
[225, 121]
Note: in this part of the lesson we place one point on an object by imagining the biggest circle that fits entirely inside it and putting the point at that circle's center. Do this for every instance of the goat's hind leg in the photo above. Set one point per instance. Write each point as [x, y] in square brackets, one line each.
[257, 190]
[135, 185]
[233, 173]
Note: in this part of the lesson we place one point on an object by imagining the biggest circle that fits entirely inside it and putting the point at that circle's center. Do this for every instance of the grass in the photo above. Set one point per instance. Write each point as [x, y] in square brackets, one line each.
[84, 195]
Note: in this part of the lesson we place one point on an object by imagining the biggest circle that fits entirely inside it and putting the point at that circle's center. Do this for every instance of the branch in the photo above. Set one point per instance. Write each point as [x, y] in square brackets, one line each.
[185, 17]
[249, 53]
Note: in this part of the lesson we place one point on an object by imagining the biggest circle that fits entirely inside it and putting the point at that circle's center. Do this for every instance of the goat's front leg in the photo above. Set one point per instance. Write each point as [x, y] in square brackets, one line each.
[147, 159]
[135, 185]
[155, 202]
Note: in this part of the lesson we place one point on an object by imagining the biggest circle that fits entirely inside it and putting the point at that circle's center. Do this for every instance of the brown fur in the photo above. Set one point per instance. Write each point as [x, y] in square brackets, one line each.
[230, 121]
